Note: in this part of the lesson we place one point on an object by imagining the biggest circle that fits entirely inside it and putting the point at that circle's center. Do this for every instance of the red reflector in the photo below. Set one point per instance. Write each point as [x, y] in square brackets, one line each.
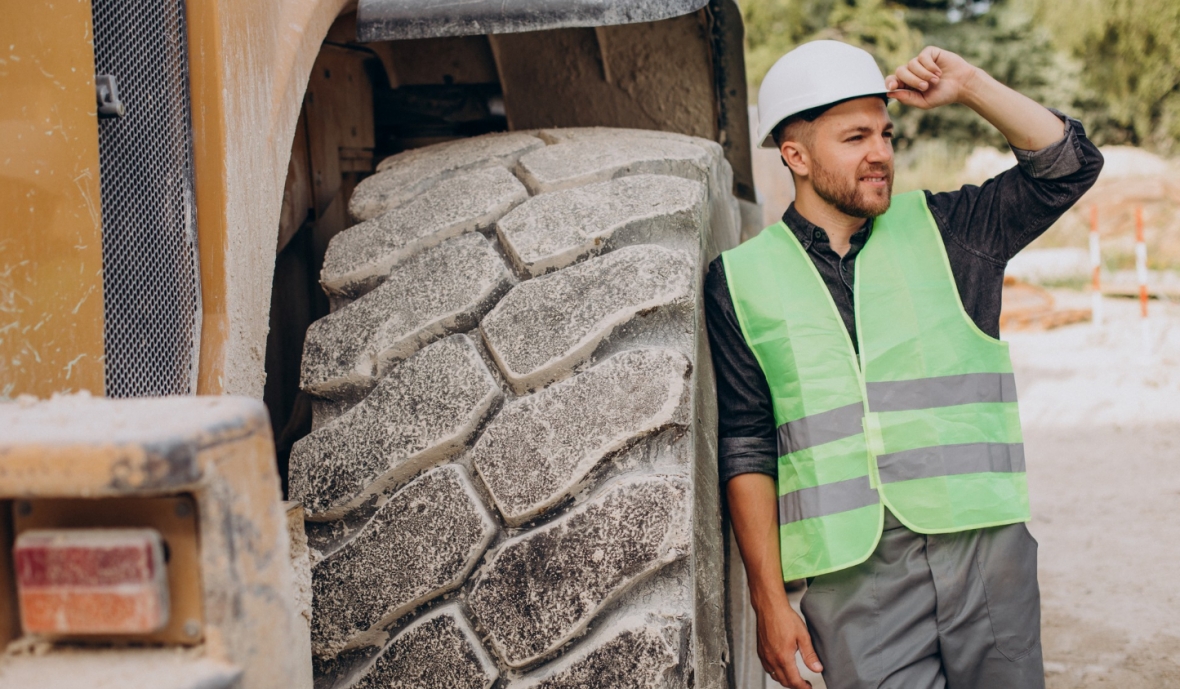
[91, 581]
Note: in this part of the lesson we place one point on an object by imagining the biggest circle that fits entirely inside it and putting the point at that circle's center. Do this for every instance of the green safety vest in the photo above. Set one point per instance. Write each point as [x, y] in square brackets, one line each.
[923, 421]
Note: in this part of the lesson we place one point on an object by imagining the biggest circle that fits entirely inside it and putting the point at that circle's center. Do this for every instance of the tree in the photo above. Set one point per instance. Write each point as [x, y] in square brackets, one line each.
[1129, 52]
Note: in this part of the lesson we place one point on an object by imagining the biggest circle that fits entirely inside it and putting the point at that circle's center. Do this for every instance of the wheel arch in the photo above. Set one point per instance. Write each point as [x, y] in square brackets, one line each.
[250, 63]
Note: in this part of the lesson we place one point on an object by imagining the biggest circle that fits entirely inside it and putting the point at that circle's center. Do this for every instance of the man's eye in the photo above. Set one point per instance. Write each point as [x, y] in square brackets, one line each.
[888, 135]
[857, 137]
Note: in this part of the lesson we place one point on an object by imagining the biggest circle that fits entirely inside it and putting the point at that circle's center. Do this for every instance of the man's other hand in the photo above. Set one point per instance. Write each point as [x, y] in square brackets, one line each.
[780, 633]
[935, 77]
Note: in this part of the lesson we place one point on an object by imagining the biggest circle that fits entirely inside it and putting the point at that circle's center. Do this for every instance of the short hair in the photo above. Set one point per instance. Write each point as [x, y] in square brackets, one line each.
[797, 123]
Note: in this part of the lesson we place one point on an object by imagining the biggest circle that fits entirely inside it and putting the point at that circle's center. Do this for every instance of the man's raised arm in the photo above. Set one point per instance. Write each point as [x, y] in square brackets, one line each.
[939, 77]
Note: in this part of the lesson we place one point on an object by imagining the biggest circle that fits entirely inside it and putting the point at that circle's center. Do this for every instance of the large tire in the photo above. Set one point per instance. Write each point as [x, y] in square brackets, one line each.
[511, 476]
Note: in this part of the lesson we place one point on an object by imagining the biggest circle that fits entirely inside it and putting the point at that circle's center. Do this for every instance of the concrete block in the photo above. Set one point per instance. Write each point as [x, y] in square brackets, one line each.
[359, 258]
[442, 290]
[401, 177]
[540, 448]
[541, 589]
[595, 159]
[421, 543]
[437, 651]
[544, 327]
[552, 231]
[421, 413]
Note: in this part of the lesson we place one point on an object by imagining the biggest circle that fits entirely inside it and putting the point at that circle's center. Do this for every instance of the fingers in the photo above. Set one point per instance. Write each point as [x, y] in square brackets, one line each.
[789, 677]
[777, 666]
[908, 78]
[810, 659]
[907, 96]
[925, 70]
[928, 59]
[932, 52]
[794, 679]
[781, 665]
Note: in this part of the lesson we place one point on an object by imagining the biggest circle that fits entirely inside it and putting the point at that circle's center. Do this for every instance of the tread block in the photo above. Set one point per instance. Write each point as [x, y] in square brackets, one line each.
[567, 134]
[423, 411]
[437, 651]
[554, 230]
[540, 448]
[401, 177]
[544, 327]
[420, 544]
[585, 160]
[442, 290]
[542, 589]
[636, 652]
[359, 258]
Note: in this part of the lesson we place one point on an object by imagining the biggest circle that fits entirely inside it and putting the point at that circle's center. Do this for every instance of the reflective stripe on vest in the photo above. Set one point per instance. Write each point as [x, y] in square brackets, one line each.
[924, 420]
[950, 460]
[943, 391]
[830, 498]
[821, 428]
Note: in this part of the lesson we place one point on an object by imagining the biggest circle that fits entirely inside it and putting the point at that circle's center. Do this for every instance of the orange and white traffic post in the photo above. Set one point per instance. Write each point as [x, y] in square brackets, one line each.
[1096, 268]
[1141, 271]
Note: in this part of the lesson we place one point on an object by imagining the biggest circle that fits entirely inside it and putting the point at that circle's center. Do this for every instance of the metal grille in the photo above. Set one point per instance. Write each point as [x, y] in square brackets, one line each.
[149, 236]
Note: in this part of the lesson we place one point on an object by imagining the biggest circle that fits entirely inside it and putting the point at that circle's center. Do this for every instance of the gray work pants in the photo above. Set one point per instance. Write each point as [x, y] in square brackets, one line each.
[957, 611]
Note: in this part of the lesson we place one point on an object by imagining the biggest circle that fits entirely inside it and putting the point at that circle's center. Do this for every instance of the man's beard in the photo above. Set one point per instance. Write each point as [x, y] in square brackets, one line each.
[845, 195]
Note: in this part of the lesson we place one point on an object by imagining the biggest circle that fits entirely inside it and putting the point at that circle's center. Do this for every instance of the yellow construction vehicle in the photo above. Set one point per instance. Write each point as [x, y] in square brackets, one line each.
[456, 249]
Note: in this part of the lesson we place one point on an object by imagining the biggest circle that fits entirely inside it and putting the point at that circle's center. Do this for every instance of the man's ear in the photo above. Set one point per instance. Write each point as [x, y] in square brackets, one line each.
[796, 157]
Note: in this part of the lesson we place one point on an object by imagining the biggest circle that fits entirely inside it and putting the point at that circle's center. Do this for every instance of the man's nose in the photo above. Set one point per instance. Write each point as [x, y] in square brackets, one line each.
[882, 152]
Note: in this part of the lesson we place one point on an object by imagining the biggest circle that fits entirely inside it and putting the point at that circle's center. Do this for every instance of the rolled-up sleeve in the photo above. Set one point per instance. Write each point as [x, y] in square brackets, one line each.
[998, 218]
[745, 415]
[1060, 159]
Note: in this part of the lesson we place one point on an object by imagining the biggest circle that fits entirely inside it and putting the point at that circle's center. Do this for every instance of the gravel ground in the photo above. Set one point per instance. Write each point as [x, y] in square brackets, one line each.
[1102, 433]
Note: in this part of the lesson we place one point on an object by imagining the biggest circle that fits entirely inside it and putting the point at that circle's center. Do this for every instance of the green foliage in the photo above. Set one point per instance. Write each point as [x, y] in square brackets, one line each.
[1129, 53]
[1114, 63]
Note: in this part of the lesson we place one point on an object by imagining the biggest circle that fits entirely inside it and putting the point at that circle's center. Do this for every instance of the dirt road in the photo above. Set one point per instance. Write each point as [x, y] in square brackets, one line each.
[1102, 437]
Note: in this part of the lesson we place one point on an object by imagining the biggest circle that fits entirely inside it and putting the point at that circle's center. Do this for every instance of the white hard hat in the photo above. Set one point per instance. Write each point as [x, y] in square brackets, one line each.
[814, 74]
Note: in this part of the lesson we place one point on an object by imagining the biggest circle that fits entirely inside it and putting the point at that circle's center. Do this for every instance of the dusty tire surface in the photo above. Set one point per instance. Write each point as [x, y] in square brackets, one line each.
[511, 475]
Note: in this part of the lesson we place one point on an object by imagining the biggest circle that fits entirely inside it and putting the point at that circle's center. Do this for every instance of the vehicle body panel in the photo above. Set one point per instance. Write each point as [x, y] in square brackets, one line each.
[51, 298]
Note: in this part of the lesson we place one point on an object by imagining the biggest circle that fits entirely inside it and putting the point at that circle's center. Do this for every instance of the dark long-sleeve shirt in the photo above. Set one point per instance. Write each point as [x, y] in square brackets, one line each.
[983, 227]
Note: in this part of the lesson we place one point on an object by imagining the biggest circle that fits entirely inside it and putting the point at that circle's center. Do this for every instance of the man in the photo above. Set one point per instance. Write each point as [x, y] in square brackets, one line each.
[869, 436]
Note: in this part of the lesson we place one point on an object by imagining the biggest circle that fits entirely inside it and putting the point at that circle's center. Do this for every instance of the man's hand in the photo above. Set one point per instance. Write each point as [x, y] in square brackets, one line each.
[939, 77]
[780, 633]
[753, 509]
[935, 77]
